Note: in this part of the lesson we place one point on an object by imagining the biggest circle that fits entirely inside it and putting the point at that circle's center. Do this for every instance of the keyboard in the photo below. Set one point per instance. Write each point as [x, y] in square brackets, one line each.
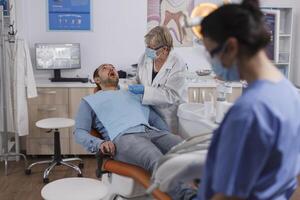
[82, 80]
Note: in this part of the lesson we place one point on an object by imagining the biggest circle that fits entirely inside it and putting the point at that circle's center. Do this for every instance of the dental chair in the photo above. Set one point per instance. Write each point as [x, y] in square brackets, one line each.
[183, 163]
[123, 177]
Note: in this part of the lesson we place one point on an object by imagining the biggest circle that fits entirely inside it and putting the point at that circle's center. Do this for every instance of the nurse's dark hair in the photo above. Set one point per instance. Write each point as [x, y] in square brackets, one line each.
[96, 75]
[244, 21]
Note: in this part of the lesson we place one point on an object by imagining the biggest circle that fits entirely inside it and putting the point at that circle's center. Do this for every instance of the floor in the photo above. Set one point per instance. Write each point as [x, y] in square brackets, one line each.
[18, 186]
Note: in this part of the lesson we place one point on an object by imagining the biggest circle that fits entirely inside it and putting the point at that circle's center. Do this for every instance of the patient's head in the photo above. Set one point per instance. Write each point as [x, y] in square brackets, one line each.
[106, 76]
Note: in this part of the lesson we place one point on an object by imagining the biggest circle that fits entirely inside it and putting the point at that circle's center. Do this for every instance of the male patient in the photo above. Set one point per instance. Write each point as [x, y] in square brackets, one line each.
[133, 133]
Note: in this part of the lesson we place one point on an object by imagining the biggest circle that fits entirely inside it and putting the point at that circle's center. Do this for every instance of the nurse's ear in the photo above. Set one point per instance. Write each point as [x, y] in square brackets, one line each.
[230, 52]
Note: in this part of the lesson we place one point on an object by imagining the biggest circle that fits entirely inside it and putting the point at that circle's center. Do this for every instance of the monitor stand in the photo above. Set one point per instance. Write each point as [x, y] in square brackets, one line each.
[58, 78]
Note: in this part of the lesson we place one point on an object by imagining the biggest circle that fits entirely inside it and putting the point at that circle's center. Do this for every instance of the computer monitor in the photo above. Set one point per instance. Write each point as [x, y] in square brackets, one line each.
[56, 57]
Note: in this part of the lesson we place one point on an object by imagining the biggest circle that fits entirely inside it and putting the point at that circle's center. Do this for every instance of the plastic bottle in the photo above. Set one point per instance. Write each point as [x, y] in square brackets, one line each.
[222, 106]
[209, 107]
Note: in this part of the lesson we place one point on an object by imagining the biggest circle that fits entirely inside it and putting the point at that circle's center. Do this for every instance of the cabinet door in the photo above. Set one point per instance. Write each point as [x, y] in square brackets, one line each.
[75, 96]
[51, 96]
[38, 112]
[51, 102]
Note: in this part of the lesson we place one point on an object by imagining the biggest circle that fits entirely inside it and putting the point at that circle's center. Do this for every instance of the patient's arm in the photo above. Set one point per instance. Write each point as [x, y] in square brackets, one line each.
[156, 121]
[83, 125]
[97, 125]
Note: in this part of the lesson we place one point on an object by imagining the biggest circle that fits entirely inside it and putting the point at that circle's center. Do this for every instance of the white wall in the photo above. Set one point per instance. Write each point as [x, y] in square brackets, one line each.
[117, 35]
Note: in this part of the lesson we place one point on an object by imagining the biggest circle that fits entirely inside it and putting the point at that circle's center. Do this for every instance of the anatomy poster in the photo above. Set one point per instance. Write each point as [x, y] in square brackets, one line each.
[170, 13]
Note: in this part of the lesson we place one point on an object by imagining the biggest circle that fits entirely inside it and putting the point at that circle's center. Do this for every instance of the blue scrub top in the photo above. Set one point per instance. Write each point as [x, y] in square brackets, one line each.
[254, 153]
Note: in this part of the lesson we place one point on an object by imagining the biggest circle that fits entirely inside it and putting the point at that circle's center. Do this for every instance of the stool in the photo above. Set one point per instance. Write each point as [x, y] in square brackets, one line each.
[74, 189]
[56, 123]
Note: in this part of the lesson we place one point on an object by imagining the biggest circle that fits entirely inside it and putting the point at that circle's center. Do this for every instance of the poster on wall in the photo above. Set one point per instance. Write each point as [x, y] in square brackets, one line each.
[5, 4]
[69, 14]
[271, 18]
[169, 13]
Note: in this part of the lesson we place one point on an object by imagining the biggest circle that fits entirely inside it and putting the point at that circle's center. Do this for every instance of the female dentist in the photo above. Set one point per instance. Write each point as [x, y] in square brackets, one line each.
[160, 76]
[254, 153]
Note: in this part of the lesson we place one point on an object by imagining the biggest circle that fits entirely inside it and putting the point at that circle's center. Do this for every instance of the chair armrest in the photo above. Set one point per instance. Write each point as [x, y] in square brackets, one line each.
[96, 134]
[136, 173]
[100, 159]
[107, 165]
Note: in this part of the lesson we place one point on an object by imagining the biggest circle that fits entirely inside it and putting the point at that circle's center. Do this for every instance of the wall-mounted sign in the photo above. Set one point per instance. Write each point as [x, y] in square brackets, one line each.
[69, 14]
[4, 3]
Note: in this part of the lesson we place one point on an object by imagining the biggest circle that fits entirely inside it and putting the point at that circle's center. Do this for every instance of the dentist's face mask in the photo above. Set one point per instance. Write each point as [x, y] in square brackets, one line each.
[152, 53]
[226, 74]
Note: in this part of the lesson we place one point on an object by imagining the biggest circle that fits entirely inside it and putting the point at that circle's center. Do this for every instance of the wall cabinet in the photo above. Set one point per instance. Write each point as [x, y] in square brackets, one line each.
[64, 102]
[75, 95]
[54, 102]
[279, 21]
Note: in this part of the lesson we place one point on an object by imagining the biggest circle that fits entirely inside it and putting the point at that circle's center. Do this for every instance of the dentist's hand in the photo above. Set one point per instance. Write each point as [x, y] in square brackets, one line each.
[108, 148]
[136, 89]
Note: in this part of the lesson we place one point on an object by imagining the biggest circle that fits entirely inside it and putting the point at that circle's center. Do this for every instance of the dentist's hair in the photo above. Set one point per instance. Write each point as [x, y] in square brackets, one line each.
[244, 21]
[160, 36]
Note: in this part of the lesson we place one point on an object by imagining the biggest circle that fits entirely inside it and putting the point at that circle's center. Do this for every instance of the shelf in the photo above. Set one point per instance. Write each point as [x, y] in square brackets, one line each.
[280, 24]
[284, 35]
[284, 57]
[284, 52]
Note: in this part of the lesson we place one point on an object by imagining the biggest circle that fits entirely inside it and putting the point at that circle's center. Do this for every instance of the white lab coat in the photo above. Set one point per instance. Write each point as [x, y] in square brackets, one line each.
[22, 84]
[167, 90]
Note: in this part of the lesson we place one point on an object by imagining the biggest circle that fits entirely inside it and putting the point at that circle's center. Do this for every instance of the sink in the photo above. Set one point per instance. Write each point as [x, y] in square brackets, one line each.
[192, 120]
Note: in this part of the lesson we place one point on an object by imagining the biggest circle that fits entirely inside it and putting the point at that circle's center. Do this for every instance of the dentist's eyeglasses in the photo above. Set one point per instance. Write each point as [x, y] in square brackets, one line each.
[215, 51]
[159, 47]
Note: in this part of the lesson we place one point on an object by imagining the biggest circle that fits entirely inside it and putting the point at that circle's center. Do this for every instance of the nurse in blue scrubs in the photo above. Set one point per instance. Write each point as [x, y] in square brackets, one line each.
[255, 152]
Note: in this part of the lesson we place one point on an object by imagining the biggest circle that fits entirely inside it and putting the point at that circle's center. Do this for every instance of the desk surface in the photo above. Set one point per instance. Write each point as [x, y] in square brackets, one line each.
[44, 83]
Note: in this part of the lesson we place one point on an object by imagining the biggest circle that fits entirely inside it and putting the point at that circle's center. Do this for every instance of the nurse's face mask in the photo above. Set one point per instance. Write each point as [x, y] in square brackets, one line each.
[152, 52]
[227, 74]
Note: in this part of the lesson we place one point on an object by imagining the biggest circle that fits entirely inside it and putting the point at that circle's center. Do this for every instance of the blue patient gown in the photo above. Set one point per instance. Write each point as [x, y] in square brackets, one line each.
[254, 153]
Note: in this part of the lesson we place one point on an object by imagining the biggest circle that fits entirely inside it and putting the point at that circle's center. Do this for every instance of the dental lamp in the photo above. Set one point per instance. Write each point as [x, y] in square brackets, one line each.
[199, 12]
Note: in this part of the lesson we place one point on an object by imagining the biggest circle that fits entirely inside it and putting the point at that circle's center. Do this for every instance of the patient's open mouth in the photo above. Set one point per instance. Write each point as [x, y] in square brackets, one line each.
[112, 74]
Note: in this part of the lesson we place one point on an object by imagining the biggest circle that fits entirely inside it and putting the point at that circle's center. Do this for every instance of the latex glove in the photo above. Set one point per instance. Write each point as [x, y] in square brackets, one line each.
[136, 89]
